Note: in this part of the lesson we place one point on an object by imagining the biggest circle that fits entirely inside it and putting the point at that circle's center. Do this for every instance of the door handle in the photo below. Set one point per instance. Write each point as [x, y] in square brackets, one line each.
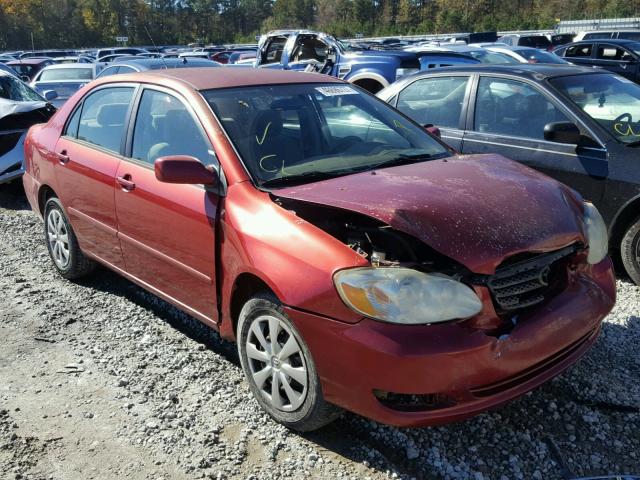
[63, 158]
[126, 183]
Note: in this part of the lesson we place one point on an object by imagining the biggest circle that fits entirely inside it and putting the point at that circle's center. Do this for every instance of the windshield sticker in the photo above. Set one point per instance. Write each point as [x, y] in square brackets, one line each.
[336, 91]
[625, 130]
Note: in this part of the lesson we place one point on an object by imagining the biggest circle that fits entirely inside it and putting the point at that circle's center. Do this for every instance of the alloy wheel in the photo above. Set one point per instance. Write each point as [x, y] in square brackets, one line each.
[277, 363]
[58, 238]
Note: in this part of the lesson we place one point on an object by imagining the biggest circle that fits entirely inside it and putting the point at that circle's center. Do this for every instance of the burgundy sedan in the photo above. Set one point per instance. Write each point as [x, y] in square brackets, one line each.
[357, 261]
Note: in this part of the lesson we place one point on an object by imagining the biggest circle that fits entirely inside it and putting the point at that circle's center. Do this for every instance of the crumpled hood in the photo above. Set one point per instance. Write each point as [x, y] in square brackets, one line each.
[475, 209]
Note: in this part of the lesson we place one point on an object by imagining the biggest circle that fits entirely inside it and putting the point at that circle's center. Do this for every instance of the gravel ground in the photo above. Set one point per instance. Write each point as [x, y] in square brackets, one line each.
[101, 380]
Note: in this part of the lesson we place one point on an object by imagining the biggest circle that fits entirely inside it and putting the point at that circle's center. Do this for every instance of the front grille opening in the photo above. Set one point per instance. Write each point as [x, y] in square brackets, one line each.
[529, 280]
[415, 402]
[8, 142]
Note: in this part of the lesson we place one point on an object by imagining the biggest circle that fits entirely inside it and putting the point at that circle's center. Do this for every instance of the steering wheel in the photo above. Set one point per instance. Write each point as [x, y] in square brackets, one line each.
[619, 118]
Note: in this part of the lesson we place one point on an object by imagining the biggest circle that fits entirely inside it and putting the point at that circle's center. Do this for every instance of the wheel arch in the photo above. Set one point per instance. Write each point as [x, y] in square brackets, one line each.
[367, 79]
[621, 222]
[245, 286]
[45, 192]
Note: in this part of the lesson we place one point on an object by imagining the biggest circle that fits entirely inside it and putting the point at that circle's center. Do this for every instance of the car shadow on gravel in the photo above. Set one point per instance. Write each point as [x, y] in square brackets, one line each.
[12, 196]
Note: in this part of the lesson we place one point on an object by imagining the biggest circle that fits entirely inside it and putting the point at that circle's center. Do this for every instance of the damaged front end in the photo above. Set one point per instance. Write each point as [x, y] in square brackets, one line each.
[15, 119]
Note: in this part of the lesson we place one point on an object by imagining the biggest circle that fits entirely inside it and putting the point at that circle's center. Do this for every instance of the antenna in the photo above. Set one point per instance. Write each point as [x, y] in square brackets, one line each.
[164, 62]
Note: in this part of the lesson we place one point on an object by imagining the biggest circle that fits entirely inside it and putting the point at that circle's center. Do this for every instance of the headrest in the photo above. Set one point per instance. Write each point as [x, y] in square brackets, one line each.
[112, 114]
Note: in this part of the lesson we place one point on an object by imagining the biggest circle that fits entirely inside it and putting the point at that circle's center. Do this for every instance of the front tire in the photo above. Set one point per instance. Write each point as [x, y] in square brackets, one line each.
[630, 251]
[279, 367]
[62, 244]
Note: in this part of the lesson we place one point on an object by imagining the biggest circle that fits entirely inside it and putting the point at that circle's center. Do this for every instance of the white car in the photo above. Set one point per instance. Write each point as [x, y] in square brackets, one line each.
[527, 54]
[64, 79]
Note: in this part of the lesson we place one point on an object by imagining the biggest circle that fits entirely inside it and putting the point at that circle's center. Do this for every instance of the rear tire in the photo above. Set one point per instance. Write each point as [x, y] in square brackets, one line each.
[62, 244]
[630, 251]
[296, 401]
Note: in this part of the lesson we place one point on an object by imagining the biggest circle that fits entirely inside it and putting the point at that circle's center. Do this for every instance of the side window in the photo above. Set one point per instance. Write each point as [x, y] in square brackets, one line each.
[310, 48]
[436, 100]
[72, 126]
[164, 127]
[125, 69]
[102, 121]
[583, 50]
[513, 108]
[611, 52]
[108, 71]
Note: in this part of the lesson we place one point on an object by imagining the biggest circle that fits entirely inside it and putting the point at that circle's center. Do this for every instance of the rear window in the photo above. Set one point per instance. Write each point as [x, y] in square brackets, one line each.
[57, 74]
[536, 41]
[629, 35]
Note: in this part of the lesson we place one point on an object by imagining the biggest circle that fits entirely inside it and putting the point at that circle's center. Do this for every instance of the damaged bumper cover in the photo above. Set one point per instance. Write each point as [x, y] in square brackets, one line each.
[455, 371]
[11, 155]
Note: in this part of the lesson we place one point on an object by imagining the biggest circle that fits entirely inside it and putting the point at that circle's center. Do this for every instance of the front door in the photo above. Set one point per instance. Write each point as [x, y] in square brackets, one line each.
[509, 117]
[438, 101]
[167, 231]
[88, 158]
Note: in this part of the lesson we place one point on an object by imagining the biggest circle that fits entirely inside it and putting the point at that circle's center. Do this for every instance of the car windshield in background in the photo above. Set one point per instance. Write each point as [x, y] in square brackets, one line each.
[289, 134]
[492, 57]
[13, 89]
[535, 41]
[59, 74]
[611, 100]
[540, 56]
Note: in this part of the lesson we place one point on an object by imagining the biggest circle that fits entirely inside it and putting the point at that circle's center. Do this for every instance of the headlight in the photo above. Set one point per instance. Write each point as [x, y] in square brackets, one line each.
[403, 295]
[596, 233]
[402, 72]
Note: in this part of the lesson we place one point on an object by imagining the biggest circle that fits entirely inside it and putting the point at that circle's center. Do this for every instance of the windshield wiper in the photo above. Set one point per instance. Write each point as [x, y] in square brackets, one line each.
[404, 159]
[301, 178]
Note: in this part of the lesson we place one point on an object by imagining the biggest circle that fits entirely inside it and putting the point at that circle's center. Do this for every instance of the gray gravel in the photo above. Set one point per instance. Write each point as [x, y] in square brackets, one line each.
[101, 380]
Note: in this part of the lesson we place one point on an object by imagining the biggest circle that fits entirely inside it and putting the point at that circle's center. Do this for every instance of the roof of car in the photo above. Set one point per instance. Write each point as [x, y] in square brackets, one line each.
[62, 66]
[619, 41]
[30, 61]
[535, 71]
[148, 63]
[223, 77]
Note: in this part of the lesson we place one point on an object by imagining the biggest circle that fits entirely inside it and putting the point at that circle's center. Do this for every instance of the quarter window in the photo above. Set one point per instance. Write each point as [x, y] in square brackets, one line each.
[611, 52]
[102, 121]
[510, 107]
[435, 100]
[165, 127]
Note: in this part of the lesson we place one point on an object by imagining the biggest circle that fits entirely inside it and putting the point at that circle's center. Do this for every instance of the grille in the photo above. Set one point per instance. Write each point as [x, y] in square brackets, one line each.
[527, 282]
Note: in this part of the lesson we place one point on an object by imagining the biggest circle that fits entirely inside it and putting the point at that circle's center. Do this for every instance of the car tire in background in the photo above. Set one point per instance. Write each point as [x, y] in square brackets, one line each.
[630, 251]
[298, 403]
[62, 244]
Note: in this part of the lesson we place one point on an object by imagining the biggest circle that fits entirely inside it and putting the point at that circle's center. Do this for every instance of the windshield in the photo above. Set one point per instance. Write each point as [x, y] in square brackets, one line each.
[540, 56]
[535, 41]
[492, 57]
[57, 74]
[289, 134]
[611, 100]
[13, 89]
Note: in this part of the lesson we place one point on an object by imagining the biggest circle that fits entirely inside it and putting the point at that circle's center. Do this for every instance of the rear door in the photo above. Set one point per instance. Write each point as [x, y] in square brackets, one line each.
[167, 231]
[508, 117]
[617, 59]
[89, 153]
[440, 101]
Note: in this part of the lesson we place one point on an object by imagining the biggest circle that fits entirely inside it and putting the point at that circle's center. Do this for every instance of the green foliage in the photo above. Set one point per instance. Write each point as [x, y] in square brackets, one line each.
[86, 23]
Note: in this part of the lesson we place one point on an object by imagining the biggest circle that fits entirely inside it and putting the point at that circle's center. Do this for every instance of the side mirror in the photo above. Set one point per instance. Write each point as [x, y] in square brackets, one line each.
[25, 78]
[433, 130]
[50, 95]
[184, 169]
[562, 132]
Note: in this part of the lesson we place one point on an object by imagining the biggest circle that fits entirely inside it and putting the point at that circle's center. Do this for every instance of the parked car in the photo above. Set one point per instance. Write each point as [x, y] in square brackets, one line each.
[578, 125]
[29, 68]
[143, 64]
[527, 54]
[629, 34]
[358, 262]
[558, 39]
[20, 108]
[46, 54]
[103, 52]
[6, 58]
[73, 59]
[482, 55]
[222, 57]
[372, 70]
[618, 56]
[527, 40]
[64, 79]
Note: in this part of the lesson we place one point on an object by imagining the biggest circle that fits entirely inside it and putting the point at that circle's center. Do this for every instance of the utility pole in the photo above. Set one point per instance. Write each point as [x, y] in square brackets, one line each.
[33, 47]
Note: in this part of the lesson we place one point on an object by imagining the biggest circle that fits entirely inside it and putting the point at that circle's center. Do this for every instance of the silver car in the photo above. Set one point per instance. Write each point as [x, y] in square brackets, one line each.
[20, 107]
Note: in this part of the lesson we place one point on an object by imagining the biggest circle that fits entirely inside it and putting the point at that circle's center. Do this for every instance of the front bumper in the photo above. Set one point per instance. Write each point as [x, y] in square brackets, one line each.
[475, 370]
[12, 162]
